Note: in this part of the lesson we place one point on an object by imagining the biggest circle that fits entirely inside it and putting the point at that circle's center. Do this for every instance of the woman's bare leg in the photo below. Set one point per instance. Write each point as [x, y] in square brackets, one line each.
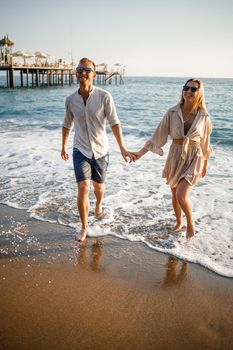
[182, 194]
[178, 211]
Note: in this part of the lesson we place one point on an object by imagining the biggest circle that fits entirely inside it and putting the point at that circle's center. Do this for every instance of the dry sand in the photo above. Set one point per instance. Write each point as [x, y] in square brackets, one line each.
[105, 294]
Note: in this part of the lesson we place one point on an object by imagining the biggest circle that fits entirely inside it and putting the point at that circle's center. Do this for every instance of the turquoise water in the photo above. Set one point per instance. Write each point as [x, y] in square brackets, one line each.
[34, 177]
[140, 103]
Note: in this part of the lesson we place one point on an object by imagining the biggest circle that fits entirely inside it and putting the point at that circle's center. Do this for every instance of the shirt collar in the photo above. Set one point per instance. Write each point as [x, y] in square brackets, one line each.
[91, 92]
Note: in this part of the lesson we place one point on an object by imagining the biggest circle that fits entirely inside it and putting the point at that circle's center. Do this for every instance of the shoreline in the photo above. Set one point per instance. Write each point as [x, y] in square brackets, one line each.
[106, 293]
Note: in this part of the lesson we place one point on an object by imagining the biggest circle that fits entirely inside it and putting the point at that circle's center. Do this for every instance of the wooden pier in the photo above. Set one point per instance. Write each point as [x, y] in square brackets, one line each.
[109, 77]
[37, 76]
[42, 72]
[29, 76]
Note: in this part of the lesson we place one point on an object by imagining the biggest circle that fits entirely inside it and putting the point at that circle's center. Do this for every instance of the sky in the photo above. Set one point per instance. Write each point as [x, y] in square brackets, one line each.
[175, 38]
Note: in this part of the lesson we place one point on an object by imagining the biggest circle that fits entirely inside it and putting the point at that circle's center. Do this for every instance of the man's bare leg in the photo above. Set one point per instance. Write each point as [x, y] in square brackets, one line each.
[99, 189]
[83, 208]
[178, 212]
[182, 194]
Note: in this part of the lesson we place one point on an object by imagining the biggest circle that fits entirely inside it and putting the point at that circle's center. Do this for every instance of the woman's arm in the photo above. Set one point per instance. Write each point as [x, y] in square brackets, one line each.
[140, 153]
[204, 169]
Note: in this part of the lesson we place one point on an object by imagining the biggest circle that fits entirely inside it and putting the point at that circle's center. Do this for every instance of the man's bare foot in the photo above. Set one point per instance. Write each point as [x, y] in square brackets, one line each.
[101, 215]
[81, 236]
[178, 228]
[190, 230]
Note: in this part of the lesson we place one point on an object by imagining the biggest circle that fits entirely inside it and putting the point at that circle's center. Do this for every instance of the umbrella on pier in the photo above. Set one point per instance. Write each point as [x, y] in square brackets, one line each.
[102, 67]
[119, 68]
[27, 55]
[18, 53]
[23, 54]
[39, 54]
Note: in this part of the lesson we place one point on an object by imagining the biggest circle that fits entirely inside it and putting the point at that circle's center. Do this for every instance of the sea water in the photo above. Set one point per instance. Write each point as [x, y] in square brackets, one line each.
[137, 200]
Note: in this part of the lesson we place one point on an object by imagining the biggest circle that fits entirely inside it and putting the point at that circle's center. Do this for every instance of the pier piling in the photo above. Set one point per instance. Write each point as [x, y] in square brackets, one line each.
[50, 76]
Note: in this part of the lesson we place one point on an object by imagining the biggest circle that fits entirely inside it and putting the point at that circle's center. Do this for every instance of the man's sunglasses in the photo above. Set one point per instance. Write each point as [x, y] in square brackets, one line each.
[192, 88]
[84, 69]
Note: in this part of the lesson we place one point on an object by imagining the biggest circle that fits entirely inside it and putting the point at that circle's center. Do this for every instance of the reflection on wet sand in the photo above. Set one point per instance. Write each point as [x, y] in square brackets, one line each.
[90, 257]
[176, 271]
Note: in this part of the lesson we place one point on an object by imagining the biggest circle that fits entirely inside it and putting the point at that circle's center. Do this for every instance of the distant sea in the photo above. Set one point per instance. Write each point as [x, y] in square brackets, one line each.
[137, 199]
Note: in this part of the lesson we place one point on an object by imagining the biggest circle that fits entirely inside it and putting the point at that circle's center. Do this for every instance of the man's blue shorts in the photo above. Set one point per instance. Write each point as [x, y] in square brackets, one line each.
[85, 168]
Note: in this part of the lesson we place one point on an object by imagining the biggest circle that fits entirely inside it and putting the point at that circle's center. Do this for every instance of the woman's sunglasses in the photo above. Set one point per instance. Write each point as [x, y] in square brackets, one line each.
[192, 88]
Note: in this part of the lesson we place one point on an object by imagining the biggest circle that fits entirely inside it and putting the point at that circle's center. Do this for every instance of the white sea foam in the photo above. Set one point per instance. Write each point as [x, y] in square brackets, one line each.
[137, 199]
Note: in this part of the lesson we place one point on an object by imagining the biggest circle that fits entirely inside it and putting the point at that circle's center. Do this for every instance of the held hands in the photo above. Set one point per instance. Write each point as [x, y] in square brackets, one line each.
[132, 156]
[128, 156]
[137, 155]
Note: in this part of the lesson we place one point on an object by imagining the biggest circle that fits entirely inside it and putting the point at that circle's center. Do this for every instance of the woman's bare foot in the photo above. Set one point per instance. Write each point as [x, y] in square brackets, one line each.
[178, 227]
[81, 236]
[190, 230]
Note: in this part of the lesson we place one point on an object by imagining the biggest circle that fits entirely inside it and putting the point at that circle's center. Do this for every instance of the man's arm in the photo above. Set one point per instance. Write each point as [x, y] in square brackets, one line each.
[117, 132]
[65, 138]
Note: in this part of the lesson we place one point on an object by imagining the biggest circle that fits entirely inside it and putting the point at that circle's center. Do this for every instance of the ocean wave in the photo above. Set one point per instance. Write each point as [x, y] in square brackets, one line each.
[34, 177]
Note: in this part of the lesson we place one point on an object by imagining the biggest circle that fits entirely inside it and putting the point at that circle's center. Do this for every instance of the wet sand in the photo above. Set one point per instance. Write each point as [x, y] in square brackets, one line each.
[105, 294]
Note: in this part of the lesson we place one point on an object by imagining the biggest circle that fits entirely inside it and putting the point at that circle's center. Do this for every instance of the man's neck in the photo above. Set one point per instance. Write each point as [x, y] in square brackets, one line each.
[85, 90]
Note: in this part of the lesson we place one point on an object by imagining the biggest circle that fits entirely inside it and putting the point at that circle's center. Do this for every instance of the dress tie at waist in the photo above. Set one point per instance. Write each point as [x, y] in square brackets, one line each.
[185, 142]
[180, 142]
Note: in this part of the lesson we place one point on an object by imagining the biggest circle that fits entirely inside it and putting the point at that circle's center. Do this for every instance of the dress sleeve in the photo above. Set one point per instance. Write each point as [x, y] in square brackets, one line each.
[205, 141]
[159, 138]
[68, 120]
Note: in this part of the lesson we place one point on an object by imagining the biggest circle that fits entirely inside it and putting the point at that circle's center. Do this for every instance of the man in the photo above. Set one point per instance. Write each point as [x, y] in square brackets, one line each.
[88, 109]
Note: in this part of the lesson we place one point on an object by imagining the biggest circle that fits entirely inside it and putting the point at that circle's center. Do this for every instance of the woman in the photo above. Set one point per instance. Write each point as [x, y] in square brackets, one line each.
[189, 125]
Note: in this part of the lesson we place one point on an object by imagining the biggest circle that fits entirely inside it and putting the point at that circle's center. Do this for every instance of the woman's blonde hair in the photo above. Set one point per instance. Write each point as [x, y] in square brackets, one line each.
[199, 101]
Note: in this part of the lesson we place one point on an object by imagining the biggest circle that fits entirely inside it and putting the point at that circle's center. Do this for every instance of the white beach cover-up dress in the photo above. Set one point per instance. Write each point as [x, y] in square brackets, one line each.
[184, 160]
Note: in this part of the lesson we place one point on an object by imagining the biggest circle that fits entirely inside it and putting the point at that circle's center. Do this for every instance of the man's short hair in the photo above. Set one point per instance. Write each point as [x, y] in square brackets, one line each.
[86, 60]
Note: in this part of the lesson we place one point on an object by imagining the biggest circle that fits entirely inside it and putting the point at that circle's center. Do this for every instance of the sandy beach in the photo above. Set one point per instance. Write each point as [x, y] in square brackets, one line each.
[107, 293]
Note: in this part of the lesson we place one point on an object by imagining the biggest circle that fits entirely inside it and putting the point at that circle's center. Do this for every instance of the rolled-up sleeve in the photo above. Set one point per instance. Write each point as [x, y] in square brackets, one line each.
[205, 141]
[159, 138]
[69, 118]
[110, 111]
